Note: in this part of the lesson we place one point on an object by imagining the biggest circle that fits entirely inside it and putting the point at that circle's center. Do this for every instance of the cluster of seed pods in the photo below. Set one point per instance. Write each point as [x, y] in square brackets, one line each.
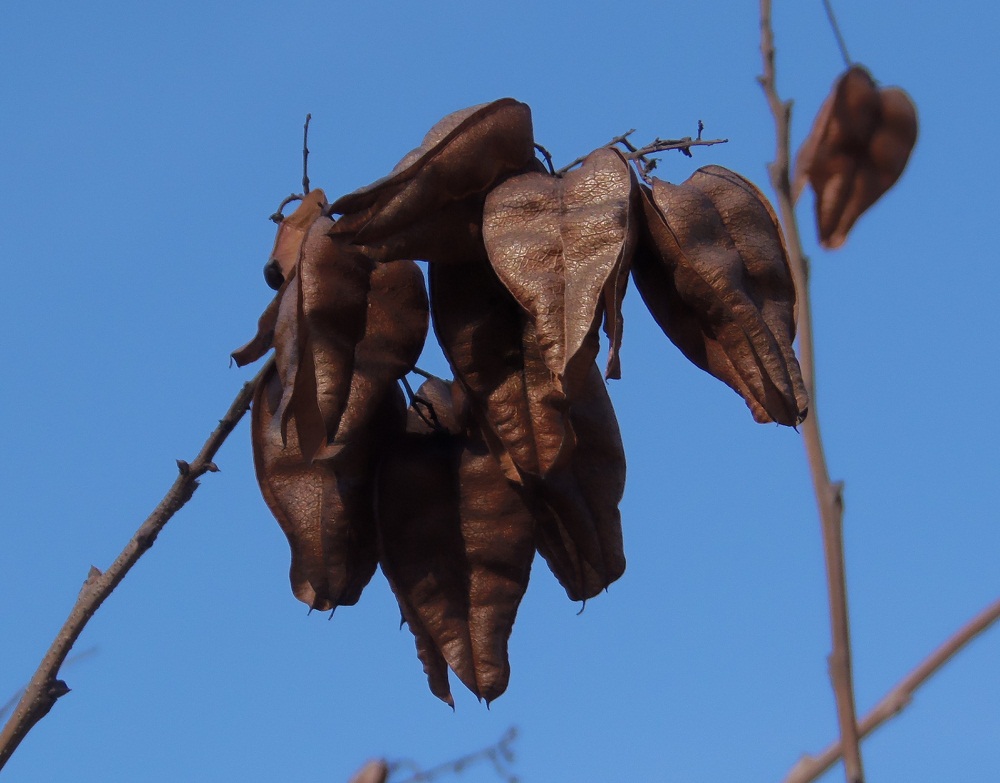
[520, 452]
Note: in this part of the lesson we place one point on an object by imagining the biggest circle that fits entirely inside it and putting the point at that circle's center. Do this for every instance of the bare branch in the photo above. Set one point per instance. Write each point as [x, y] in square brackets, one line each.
[44, 689]
[305, 155]
[499, 754]
[809, 768]
[640, 155]
[829, 494]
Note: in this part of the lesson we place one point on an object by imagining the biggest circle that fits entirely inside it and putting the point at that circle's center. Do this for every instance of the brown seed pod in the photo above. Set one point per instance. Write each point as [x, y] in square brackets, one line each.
[562, 246]
[456, 543]
[430, 206]
[579, 525]
[324, 508]
[491, 348]
[858, 147]
[714, 273]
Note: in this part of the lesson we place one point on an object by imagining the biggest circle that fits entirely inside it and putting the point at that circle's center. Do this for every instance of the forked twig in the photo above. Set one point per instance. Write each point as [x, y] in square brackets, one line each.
[829, 494]
[809, 768]
[640, 155]
[44, 689]
[499, 754]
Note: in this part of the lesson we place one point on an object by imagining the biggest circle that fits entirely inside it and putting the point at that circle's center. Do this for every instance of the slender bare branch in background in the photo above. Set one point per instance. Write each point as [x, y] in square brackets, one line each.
[829, 494]
[44, 689]
[809, 768]
[499, 754]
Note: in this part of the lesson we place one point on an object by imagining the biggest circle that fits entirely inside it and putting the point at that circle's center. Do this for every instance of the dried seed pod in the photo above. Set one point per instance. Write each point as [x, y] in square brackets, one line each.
[713, 272]
[395, 331]
[430, 206]
[562, 246]
[858, 147]
[456, 544]
[291, 233]
[490, 346]
[324, 508]
[579, 525]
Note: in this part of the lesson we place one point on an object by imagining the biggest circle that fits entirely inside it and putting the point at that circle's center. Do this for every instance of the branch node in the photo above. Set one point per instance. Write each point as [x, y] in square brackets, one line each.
[211, 467]
[183, 467]
[57, 690]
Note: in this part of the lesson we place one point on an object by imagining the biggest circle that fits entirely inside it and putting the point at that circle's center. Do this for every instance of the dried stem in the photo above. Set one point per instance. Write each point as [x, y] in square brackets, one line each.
[837, 33]
[809, 768]
[305, 155]
[499, 754]
[640, 154]
[44, 689]
[829, 494]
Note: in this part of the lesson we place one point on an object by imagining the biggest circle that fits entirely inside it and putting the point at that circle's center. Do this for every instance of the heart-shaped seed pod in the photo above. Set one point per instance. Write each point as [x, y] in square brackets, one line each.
[562, 246]
[858, 147]
[714, 273]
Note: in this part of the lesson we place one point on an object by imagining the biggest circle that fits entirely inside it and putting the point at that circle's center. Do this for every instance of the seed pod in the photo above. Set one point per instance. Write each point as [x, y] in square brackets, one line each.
[491, 348]
[714, 273]
[324, 508]
[858, 147]
[430, 206]
[562, 246]
[291, 234]
[579, 525]
[456, 544]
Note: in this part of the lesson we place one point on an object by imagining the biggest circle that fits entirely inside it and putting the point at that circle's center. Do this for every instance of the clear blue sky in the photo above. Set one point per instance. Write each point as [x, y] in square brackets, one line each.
[142, 147]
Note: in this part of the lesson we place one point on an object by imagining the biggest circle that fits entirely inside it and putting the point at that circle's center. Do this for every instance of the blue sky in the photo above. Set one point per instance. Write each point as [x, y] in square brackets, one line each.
[142, 148]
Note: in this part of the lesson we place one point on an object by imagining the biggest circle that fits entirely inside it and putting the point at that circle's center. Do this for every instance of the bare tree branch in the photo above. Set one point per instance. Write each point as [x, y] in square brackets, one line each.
[44, 689]
[809, 768]
[829, 494]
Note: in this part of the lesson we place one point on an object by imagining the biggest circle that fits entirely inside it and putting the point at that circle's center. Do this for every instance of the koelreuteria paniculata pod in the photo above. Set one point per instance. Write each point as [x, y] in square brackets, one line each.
[521, 452]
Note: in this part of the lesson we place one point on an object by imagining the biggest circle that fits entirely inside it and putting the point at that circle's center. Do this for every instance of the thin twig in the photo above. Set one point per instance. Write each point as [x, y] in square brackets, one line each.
[829, 494]
[44, 689]
[836, 32]
[548, 157]
[809, 768]
[305, 155]
[640, 155]
[277, 216]
[497, 754]
[622, 139]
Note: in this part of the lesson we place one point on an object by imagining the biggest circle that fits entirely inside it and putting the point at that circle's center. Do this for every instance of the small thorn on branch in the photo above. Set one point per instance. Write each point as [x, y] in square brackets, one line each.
[211, 467]
[183, 467]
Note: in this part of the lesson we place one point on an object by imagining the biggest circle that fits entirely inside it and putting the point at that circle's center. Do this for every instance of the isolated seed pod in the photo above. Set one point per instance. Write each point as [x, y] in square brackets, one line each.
[713, 272]
[490, 345]
[456, 544]
[325, 507]
[856, 150]
[430, 206]
[562, 246]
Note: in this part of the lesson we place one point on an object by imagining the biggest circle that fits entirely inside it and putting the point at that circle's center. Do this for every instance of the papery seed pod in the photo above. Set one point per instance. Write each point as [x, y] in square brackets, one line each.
[291, 233]
[714, 273]
[579, 525]
[456, 543]
[395, 331]
[430, 206]
[858, 147]
[490, 346]
[325, 507]
[562, 246]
